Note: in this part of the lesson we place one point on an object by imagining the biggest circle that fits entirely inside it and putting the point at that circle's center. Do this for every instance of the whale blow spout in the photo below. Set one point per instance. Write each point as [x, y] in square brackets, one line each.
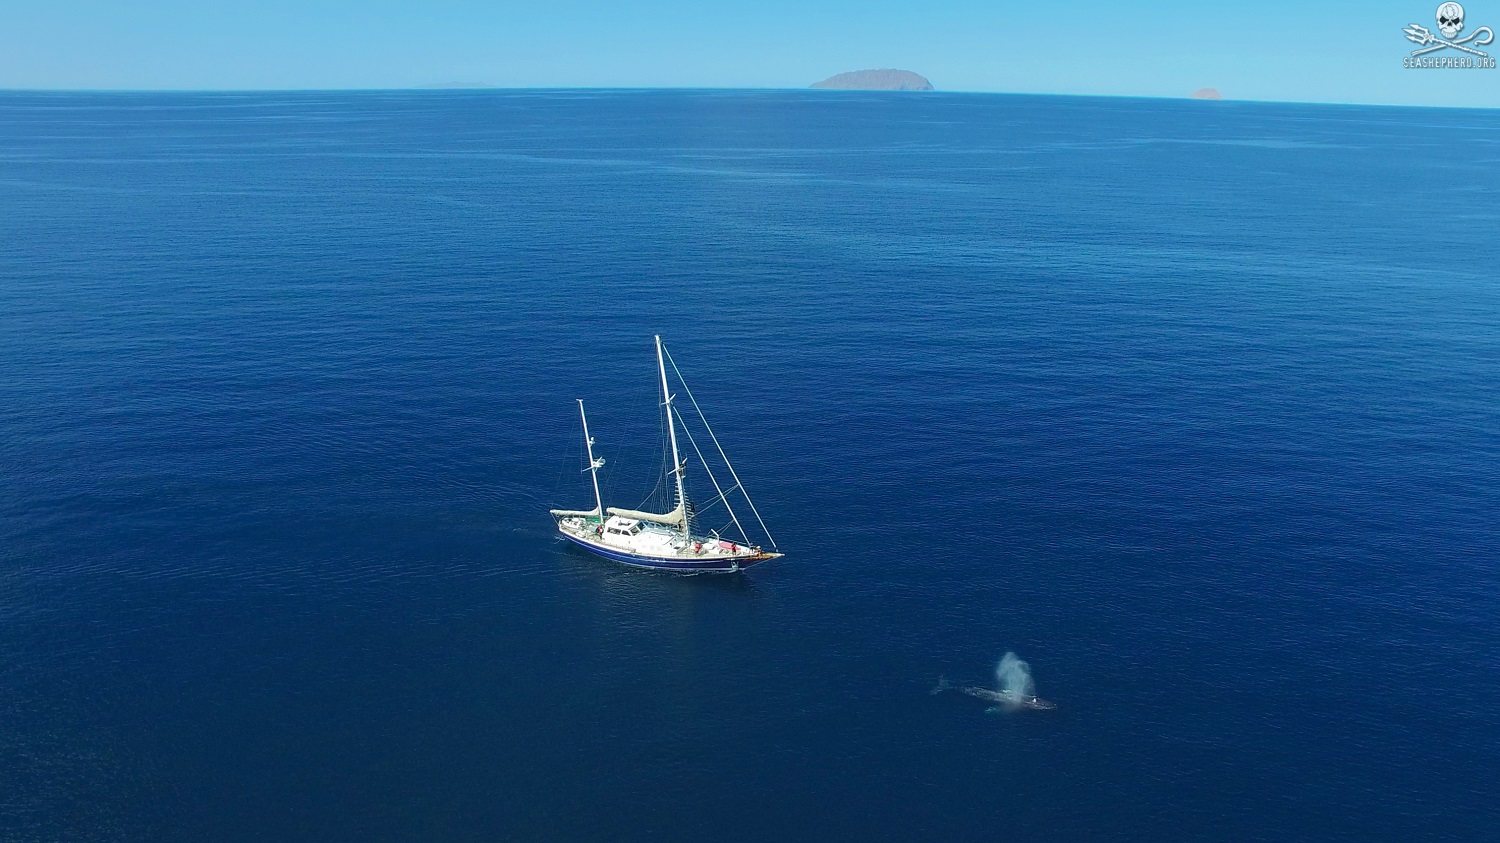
[1017, 690]
[1014, 676]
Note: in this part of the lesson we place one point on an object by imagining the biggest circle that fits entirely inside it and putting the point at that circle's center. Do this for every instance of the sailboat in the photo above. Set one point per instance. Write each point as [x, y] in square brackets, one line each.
[668, 541]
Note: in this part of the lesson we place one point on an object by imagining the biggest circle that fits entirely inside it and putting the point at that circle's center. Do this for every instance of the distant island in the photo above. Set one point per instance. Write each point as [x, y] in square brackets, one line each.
[1207, 94]
[876, 80]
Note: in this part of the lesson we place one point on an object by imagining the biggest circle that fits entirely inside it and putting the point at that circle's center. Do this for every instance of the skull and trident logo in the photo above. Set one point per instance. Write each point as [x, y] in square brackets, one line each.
[1450, 20]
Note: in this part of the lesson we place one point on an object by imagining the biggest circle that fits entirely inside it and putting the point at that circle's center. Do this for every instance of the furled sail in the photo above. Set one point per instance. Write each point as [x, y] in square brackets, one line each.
[575, 513]
[676, 517]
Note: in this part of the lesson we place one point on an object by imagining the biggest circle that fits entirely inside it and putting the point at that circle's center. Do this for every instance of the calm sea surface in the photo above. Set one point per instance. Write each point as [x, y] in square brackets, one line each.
[1195, 406]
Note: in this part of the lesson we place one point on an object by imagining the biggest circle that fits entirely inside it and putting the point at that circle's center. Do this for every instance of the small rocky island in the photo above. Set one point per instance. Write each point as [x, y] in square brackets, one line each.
[876, 80]
[1207, 94]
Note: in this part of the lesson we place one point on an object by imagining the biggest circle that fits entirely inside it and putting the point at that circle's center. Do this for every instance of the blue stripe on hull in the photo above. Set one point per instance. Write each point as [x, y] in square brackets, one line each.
[657, 563]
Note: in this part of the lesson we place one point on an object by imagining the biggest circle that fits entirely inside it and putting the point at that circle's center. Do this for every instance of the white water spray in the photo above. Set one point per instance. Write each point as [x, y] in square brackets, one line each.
[1014, 676]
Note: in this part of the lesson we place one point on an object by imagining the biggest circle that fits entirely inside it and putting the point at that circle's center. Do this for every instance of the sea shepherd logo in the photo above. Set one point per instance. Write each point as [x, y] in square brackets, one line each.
[1450, 21]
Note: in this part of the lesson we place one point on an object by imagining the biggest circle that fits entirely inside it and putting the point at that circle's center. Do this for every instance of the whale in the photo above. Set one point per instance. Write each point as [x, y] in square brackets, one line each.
[1006, 697]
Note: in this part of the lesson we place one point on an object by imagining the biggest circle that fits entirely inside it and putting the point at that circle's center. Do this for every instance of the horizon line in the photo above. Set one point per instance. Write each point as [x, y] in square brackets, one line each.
[820, 91]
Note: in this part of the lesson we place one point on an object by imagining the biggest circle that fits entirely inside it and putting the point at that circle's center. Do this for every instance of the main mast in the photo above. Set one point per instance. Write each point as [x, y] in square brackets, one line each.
[594, 465]
[677, 466]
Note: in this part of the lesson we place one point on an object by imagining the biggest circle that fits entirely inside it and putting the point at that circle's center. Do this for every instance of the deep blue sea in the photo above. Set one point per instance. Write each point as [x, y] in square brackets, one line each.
[1194, 406]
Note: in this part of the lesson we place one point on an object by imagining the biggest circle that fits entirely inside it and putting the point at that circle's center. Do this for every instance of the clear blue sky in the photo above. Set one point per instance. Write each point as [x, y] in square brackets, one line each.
[1332, 51]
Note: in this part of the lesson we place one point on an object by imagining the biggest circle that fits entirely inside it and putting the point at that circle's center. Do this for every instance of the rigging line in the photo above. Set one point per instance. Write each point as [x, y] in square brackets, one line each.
[663, 476]
[714, 480]
[711, 435]
[651, 495]
[661, 472]
[711, 504]
[715, 501]
[562, 470]
[609, 481]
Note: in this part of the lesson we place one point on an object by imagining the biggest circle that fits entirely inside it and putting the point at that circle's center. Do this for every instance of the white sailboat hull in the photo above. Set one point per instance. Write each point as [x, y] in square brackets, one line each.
[661, 549]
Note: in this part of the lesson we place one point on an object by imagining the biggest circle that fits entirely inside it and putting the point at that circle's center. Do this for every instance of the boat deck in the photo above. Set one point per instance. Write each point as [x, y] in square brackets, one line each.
[657, 546]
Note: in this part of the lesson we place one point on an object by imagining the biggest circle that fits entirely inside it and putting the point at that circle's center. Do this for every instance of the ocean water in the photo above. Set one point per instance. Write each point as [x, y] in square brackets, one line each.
[1194, 406]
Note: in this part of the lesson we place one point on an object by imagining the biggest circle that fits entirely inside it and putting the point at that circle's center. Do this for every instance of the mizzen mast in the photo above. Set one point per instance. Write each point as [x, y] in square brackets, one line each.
[594, 465]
